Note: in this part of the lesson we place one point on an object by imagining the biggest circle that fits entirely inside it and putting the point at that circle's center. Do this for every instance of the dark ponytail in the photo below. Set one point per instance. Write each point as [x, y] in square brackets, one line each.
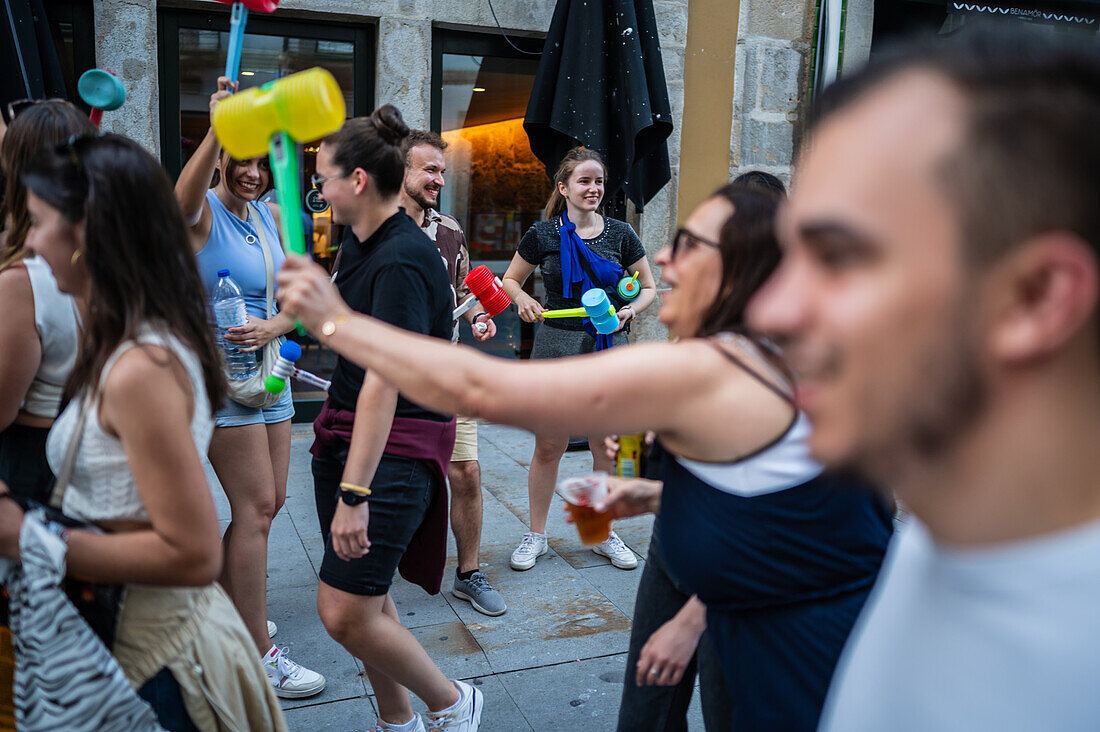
[374, 144]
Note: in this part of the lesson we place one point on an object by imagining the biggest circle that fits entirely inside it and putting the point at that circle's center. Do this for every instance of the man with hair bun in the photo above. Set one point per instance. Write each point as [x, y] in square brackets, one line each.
[938, 303]
[379, 460]
[424, 168]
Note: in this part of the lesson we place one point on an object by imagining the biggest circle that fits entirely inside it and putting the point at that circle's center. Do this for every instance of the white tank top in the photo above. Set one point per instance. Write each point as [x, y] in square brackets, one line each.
[103, 487]
[57, 321]
[784, 464]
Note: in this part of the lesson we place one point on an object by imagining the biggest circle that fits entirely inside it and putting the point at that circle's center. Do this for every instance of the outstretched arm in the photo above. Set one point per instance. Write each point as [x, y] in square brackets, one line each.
[648, 386]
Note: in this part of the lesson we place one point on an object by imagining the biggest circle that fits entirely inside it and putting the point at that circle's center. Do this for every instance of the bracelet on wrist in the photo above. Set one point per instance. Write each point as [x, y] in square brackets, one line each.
[479, 315]
[353, 488]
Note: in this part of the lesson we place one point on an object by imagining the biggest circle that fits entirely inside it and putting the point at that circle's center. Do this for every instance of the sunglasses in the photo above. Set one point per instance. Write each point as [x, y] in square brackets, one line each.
[684, 240]
[21, 105]
[76, 147]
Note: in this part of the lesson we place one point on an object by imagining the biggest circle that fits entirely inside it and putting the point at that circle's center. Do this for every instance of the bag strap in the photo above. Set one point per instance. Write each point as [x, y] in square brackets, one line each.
[65, 475]
[269, 261]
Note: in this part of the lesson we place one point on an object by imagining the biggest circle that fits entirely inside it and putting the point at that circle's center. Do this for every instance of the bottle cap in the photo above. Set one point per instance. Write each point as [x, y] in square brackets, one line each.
[223, 273]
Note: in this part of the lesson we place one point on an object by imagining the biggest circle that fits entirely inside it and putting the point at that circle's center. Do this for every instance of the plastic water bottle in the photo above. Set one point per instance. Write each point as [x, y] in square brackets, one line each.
[230, 312]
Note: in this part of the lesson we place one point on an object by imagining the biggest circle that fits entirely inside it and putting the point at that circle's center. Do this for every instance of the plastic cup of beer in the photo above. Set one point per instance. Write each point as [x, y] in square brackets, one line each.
[580, 495]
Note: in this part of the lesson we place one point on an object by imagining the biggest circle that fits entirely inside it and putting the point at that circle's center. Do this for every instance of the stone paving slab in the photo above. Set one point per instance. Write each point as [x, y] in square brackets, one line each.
[553, 661]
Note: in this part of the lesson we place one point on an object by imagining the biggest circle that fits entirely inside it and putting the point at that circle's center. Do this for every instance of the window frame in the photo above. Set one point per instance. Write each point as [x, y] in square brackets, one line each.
[363, 36]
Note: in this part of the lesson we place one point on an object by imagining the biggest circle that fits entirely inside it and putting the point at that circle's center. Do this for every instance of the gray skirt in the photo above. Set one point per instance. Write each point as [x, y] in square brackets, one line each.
[551, 342]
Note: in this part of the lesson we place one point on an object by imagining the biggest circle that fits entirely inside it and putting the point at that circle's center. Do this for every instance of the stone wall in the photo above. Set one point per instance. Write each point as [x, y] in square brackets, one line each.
[772, 78]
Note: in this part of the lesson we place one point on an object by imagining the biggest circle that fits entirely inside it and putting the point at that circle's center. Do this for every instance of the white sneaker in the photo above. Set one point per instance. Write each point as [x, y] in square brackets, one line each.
[272, 629]
[529, 550]
[380, 725]
[464, 716]
[614, 549]
[290, 680]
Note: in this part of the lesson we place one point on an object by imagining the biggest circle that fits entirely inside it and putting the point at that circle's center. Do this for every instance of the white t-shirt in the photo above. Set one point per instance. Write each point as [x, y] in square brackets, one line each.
[999, 638]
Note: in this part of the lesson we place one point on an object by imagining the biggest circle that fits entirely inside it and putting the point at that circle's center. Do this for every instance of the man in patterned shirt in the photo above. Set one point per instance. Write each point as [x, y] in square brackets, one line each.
[424, 168]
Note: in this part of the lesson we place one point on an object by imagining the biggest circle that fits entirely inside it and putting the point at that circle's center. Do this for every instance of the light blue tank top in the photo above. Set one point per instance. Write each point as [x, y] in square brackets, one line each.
[234, 245]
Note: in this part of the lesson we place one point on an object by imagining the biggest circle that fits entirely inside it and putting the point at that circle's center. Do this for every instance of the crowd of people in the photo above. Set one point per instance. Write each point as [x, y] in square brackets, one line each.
[917, 324]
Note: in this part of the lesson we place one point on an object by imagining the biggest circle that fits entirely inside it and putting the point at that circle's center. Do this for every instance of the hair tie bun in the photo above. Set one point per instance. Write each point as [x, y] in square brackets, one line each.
[389, 124]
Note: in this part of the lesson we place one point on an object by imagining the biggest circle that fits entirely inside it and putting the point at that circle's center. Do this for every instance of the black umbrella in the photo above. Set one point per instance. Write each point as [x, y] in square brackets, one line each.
[601, 84]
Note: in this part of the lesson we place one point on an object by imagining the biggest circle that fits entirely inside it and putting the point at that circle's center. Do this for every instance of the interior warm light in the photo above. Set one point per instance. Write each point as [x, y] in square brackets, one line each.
[479, 88]
[248, 73]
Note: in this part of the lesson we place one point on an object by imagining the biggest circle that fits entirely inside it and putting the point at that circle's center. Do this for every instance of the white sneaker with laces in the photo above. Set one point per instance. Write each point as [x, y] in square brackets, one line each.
[614, 549]
[272, 629]
[464, 716]
[290, 680]
[381, 725]
[529, 550]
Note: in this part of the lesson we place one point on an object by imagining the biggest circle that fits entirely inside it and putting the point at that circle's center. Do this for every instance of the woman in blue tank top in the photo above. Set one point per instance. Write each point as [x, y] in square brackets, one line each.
[250, 450]
[753, 542]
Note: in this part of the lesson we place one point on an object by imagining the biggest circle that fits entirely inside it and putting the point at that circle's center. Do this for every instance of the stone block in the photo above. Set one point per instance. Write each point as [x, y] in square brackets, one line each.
[672, 57]
[788, 20]
[403, 71]
[780, 79]
[583, 695]
[766, 143]
[672, 22]
[124, 34]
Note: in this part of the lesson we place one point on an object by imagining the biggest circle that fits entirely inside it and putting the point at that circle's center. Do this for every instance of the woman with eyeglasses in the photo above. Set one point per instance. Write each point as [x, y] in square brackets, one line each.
[250, 451]
[144, 388]
[40, 328]
[752, 541]
[576, 248]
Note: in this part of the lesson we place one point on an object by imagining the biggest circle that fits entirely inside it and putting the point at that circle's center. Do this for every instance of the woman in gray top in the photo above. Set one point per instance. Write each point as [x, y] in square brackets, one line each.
[578, 192]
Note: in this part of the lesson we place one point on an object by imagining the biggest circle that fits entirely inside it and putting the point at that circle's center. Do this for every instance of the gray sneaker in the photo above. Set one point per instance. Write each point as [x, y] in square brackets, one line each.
[479, 593]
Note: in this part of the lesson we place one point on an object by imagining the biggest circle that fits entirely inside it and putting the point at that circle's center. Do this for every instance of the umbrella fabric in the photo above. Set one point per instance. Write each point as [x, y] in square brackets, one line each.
[578, 265]
[27, 53]
[601, 84]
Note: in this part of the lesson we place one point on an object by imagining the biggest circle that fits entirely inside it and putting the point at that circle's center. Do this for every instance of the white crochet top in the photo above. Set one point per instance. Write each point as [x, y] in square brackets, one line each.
[102, 487]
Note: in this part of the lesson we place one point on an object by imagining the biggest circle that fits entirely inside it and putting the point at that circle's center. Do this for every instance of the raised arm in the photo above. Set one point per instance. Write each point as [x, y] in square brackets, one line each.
[195, 177]
[623, 390]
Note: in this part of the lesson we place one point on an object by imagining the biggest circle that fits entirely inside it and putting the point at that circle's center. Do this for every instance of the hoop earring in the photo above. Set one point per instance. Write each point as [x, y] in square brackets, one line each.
[76, 256]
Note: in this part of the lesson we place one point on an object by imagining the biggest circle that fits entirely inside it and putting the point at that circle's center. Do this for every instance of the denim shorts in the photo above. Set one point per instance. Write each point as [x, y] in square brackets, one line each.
[233, 414]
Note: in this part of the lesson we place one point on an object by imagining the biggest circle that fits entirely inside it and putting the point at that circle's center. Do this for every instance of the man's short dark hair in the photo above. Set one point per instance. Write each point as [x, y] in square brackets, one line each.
[422, 137]
[1029, 159]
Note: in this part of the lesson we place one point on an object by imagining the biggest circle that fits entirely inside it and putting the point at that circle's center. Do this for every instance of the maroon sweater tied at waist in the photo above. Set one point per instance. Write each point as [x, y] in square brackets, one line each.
[418, 439]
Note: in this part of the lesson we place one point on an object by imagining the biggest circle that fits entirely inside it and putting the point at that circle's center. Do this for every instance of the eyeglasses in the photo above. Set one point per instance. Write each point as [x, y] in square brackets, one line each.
[319, 182]
[686, 241]
[21, 105]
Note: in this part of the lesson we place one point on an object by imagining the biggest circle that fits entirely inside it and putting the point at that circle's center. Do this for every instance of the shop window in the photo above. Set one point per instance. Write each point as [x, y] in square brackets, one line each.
[496, 187]
[192, 57]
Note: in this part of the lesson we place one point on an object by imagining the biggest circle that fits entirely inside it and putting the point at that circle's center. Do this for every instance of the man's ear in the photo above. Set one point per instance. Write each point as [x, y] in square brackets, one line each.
[1045, 291]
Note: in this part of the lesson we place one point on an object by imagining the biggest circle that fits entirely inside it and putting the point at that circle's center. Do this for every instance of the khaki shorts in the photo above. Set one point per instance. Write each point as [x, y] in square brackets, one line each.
[465, 440]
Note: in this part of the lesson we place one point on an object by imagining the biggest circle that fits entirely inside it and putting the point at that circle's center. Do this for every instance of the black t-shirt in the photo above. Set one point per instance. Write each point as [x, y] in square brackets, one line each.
[541, 246]
[397, 276]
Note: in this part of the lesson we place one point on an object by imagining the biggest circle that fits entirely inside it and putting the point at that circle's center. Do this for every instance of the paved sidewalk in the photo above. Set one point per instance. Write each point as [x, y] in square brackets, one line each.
[554, 661]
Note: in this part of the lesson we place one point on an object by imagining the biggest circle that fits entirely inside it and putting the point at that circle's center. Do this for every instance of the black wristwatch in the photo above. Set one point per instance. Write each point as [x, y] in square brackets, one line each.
[352, 498]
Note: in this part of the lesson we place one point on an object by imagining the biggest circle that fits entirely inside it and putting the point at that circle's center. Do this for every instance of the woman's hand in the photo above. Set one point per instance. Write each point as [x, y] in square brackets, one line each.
[631, 497]
[349, 530]
[611, 446]
[224, 85]
[530, 310]
[252, 336]
[11, 523]
[671, 647]
[306, 292]
[625, 315]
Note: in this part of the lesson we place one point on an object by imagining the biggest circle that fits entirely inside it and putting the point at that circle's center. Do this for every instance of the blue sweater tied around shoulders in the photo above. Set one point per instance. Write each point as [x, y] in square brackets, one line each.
[575, 276]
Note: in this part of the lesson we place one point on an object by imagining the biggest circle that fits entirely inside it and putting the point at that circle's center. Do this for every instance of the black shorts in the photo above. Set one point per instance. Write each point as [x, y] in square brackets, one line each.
[401, 492]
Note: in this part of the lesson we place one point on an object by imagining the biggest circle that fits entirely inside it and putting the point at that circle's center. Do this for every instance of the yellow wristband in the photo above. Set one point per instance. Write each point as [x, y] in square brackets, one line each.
[361, 490]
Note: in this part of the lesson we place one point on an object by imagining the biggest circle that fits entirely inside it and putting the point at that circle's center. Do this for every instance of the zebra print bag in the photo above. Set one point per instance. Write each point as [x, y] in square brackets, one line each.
[97, 603]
